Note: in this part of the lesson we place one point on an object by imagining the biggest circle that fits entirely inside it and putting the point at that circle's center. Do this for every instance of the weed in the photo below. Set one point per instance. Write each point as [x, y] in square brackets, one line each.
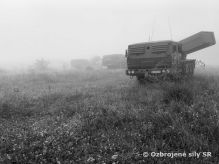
[179, 93]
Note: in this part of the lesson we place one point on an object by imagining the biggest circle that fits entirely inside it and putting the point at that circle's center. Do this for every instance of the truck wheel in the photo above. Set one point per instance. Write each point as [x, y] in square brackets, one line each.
[140, 77]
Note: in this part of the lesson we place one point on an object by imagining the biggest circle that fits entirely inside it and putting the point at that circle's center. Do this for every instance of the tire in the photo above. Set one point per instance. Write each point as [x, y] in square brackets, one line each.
[140, 77]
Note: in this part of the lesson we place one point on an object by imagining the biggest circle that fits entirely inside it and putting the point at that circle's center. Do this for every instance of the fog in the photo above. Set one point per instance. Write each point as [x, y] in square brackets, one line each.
[61, 30]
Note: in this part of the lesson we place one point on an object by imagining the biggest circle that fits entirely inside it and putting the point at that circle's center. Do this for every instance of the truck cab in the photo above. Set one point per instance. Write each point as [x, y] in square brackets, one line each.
[152, 58]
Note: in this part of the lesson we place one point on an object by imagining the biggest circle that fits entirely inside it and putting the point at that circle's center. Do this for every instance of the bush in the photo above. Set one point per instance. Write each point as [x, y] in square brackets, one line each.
[179, 93]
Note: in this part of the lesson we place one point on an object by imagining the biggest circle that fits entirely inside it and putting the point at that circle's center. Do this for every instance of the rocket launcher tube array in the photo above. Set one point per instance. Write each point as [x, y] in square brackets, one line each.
[197, 42]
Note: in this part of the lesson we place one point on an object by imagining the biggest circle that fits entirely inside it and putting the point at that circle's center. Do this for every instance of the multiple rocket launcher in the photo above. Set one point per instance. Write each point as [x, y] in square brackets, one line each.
[145, 59]
[197, 42]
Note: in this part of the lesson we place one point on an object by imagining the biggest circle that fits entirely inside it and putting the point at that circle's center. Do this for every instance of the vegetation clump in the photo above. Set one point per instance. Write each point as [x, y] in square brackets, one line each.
[179, 93]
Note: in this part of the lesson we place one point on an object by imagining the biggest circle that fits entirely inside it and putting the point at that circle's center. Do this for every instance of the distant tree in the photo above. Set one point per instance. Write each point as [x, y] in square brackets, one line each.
[65, 66]
[114, 61]
[41, 65]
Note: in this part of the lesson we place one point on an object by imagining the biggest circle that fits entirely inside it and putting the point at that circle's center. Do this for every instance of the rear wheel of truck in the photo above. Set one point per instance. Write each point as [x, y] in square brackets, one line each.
[140, 78]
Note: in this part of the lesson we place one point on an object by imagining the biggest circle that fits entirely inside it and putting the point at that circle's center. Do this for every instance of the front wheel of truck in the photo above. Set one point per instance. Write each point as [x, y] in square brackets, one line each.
[140, 78]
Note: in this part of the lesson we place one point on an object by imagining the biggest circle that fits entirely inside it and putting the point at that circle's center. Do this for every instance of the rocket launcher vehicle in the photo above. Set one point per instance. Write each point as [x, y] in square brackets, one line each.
[161, 57]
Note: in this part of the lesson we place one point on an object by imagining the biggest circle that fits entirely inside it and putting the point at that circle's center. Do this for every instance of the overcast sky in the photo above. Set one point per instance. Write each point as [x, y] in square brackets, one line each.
[66, 29]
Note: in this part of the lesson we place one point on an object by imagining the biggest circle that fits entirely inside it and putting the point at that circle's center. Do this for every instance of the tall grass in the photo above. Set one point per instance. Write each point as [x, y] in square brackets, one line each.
[104, 117]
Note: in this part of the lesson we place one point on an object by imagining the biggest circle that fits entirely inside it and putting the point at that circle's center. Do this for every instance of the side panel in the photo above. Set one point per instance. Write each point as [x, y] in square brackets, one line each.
[188, 67]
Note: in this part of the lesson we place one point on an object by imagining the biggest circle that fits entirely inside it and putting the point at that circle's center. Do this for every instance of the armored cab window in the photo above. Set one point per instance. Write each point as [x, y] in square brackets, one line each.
[159, 48]
[136, 49]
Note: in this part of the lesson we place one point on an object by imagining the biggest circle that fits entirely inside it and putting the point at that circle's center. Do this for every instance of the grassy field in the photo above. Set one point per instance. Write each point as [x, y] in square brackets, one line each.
[106, 117]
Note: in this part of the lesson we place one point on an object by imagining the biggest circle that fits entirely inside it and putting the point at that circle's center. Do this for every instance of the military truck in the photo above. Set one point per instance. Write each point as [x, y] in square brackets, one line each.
[114, 61]
[166, 57]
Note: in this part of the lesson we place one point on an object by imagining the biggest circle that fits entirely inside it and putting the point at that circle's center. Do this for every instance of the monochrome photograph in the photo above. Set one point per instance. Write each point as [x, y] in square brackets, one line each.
[109, 82]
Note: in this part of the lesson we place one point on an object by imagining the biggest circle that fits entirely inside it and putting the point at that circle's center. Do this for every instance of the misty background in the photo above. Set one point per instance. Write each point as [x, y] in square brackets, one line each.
[61, 30]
